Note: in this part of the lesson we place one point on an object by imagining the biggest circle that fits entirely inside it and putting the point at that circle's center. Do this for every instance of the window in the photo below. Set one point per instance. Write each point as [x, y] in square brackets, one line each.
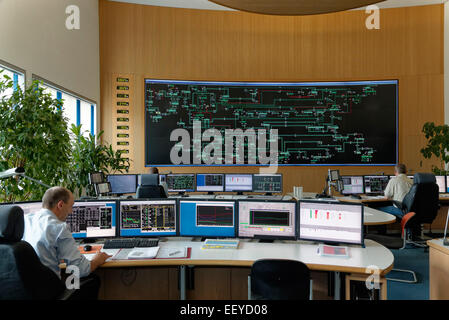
[78, 111]
[17, 77]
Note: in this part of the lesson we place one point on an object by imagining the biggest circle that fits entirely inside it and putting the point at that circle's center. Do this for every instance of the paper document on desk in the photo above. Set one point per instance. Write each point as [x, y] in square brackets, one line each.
[172, 252]
[143, 253]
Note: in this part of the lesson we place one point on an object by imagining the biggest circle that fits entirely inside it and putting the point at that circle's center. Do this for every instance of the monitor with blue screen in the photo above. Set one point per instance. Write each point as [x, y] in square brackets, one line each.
[148, 218]
[93, 219]
[207, 218]
[210, 182]
[267, 219]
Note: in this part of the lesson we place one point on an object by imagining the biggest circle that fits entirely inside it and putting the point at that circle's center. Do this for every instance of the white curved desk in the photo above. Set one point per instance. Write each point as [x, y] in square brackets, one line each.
[362, 261]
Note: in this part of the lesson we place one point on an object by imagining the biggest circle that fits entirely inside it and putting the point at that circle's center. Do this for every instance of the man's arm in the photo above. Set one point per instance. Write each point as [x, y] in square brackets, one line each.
[98, 260]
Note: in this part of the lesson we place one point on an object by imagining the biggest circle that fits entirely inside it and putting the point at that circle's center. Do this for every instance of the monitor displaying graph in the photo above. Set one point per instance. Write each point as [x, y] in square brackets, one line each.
[148, 218]
[331, 222]
[204, 218]
[267, 219]
[241, 123]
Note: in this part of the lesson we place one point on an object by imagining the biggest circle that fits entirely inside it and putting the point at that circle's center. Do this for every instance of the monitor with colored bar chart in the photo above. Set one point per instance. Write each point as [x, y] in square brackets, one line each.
[332, 222]
[267, 219]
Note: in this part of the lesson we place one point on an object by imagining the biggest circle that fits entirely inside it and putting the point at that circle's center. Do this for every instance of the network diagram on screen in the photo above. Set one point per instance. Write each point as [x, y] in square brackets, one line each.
[320, 123]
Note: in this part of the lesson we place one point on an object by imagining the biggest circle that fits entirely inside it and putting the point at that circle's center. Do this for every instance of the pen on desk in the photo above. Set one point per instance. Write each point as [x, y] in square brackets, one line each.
[173, 253]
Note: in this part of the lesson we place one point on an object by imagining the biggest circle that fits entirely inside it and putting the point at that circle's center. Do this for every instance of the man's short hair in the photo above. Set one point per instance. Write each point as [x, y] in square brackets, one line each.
[400, 168]
[53, 195]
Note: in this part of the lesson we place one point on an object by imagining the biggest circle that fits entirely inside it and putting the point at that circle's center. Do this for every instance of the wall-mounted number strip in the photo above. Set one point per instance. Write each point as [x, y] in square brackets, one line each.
[122, 95]
[123, 103]
[122, 119]
[123, 143]
[122, 111]
[122, 88]
[122, 79]
[122, 135]
[122, 127]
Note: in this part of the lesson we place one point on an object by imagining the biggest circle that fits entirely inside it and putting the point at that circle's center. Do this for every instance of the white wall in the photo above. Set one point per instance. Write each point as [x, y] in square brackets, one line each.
[34, 37]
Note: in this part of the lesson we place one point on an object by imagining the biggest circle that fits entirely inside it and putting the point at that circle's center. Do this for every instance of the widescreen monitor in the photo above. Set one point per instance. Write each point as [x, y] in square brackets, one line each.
[209, 182]
[184, 182]
[28, 206]
[352, 185]
[122, 183]
[148, 218]
[375, 184]
[207, 218]
[238, 182]
[441, 182]
[267, 219]
[93, 219]
[331, 222]
[268, 183]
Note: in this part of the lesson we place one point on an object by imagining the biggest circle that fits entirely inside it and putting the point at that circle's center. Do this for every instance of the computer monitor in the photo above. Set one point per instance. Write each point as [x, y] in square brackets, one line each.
[238, 182]
[331, 222]
[27, 206]
[207, 218]
[267, 219]
[268, 183]
[352, 185]
[210, 182]
[122, 183]
[184, 182]
[148, 218]
[441, 182]
[375, 184]
[93, 219]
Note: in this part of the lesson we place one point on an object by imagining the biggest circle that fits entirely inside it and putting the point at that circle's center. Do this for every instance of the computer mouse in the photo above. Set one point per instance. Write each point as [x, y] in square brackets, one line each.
[87, 247]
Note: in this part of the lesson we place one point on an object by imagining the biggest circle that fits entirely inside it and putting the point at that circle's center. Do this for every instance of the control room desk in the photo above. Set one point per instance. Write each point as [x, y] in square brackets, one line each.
[438, 270]
[359, 262]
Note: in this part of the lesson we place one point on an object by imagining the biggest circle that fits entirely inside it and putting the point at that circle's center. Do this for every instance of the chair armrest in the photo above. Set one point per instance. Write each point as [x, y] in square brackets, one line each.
[406, 218]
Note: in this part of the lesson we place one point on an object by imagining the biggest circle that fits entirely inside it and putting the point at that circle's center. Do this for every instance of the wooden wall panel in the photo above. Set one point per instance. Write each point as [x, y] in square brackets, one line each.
[188, 44]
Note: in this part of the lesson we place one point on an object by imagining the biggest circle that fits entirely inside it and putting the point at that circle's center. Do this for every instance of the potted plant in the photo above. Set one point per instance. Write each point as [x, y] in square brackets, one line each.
[437, 145]
[33, 135]
[89, 155]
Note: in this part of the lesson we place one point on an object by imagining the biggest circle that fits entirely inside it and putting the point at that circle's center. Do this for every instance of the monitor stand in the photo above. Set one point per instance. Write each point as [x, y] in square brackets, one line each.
[89, 240]
[182, 194]
[268, 193]
[266, 240]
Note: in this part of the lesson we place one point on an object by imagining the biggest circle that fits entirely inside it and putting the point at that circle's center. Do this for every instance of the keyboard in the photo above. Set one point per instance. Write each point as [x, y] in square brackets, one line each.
[130, 243]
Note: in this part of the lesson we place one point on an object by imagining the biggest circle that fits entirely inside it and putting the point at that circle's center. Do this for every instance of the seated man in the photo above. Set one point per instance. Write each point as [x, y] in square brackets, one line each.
[52, 240]
[396, 190]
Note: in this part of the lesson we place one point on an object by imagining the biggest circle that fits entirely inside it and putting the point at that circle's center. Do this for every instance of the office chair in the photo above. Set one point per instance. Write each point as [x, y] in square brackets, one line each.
[149, 187]
[279, 279]
[396, 243]
[22, 275]
[423, 199]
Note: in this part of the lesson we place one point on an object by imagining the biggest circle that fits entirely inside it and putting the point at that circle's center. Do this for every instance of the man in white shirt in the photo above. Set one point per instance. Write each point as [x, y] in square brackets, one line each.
[396, 190]
[52, 240]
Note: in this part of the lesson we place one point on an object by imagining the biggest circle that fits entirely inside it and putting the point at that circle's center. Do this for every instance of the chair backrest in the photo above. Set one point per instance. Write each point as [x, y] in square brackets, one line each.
[423, 199]
[144, 192]
[280, 279]
[22, 275]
